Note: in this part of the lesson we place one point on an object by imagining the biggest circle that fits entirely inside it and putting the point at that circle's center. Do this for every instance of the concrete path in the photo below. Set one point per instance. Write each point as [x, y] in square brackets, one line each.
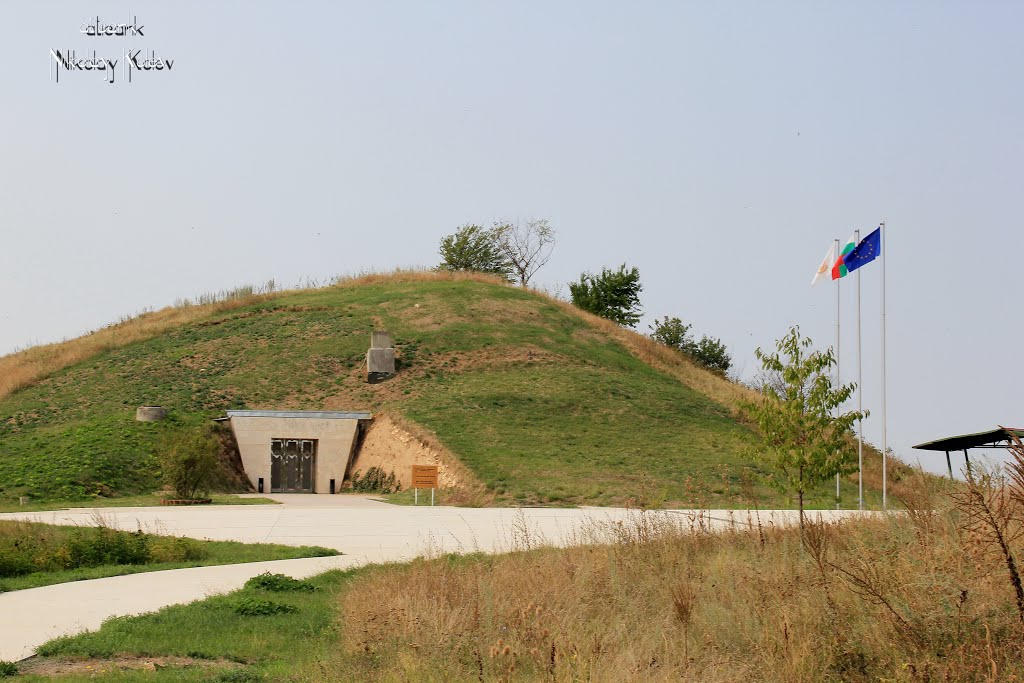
[365, 530]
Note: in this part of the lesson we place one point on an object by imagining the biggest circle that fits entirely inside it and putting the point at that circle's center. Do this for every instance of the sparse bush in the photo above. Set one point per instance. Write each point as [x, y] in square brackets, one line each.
[257, 607]
[375, 481]
[189, 461]
[278, 583]
[709, 352]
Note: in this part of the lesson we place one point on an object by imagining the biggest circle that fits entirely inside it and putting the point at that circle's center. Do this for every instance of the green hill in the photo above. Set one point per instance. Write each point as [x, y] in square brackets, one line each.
[543, 404]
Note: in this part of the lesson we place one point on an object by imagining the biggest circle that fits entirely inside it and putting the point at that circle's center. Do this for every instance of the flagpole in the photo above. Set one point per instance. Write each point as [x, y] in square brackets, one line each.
[860, 398]
[839, 374]
[883, 246]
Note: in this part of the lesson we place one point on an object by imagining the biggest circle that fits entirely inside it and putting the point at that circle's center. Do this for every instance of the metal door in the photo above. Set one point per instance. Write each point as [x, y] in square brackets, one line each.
[292, 465]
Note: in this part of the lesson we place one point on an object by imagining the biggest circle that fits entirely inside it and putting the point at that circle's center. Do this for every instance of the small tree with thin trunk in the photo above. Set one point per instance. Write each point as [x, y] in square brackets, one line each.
[526, 247]
[800, 438]
[189, 462]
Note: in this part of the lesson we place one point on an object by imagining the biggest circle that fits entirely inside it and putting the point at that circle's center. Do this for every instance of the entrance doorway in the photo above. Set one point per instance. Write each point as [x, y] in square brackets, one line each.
[292, 464]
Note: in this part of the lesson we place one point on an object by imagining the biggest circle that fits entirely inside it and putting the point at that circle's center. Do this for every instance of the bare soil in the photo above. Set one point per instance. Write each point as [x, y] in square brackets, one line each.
[59, 666]
[392, 447]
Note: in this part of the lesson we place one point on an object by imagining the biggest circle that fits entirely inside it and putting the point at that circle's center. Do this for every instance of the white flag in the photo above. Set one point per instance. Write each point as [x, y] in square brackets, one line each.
[825, 269]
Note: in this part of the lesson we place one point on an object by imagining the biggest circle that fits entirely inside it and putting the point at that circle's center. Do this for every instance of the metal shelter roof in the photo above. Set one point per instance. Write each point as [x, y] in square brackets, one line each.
[990, 439]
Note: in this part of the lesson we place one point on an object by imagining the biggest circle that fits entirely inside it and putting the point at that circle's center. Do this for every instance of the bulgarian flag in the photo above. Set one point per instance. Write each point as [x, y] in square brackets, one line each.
[839, 269]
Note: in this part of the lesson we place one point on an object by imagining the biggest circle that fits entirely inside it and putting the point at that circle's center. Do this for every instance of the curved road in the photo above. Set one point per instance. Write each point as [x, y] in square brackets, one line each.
[365, 530]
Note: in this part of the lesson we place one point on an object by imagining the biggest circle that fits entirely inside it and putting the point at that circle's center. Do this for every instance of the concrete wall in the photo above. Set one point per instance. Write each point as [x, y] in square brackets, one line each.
[336, 439]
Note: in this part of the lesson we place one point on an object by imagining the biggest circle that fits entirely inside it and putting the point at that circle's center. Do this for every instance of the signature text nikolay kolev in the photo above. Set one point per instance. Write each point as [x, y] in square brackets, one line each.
[131, 60]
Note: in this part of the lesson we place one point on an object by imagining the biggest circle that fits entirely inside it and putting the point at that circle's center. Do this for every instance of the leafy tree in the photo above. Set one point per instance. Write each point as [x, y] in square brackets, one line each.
[712, 354]
[671, 332]
[800, 439]
[526, 247]
[474, 248]
[612, 294]
[709, 352]
[189, 462]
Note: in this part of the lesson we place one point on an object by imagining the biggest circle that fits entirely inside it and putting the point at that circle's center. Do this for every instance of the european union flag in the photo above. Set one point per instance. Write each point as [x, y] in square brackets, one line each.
[864, 253]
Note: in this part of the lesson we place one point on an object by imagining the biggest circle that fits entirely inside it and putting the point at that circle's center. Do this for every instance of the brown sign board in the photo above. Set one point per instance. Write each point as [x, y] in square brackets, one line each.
[424, 476]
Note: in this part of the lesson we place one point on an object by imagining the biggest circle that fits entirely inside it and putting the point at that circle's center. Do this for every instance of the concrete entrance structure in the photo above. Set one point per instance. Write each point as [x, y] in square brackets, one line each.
[296, 451]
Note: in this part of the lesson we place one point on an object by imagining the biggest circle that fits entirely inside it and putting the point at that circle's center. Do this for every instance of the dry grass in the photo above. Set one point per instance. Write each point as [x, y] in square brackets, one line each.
[905, 598]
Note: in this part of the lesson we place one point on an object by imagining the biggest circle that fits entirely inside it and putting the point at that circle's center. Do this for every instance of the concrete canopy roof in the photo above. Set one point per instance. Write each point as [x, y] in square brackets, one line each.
[307, 414]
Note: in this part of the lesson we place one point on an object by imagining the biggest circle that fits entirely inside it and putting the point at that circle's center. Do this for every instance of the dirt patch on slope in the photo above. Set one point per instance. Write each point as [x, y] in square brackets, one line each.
[56, 666]
[394, 445]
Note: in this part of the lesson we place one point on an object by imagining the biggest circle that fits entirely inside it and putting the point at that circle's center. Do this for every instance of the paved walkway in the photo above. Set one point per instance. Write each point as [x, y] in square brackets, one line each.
[365, 530]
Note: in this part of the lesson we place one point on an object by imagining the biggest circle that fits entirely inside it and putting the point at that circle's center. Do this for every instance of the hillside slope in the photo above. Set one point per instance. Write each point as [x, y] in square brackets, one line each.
[543, 404]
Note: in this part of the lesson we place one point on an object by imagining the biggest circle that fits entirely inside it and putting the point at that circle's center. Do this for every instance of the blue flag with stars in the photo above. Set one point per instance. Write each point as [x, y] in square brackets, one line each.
[864, 253]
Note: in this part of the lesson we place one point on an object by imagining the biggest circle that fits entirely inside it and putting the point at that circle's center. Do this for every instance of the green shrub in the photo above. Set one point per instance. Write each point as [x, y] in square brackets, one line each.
[189, 462]
[375, 481]
[170, 549]
[709, 352]
[278, 583]
[14, 563]
[25, 549]
[96, 546]
[8, 669]
[256, 607]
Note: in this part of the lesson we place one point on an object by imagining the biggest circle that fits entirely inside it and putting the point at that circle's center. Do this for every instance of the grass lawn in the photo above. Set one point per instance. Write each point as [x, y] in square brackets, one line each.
[33, 555]
[214, 641]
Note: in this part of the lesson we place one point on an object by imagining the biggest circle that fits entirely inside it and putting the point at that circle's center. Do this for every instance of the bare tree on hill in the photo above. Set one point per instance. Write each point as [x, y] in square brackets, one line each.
[527, 247]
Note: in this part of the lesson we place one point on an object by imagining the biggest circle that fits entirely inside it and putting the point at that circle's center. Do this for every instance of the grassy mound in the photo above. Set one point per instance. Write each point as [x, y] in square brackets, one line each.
[542, 403]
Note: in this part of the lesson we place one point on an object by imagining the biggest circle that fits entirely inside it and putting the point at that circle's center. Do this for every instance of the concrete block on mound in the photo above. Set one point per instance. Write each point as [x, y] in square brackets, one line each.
[380, 364]
[380, 359]
[150, 413]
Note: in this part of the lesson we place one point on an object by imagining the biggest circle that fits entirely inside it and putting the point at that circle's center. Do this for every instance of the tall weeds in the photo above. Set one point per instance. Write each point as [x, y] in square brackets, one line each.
[907, 597]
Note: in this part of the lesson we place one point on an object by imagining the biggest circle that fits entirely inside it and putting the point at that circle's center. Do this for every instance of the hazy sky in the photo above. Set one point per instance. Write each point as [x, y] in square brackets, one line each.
[719, 147]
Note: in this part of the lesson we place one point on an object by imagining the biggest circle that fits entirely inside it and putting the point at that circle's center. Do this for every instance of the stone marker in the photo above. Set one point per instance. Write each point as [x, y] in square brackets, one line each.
[380, 359]
[150, 413]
